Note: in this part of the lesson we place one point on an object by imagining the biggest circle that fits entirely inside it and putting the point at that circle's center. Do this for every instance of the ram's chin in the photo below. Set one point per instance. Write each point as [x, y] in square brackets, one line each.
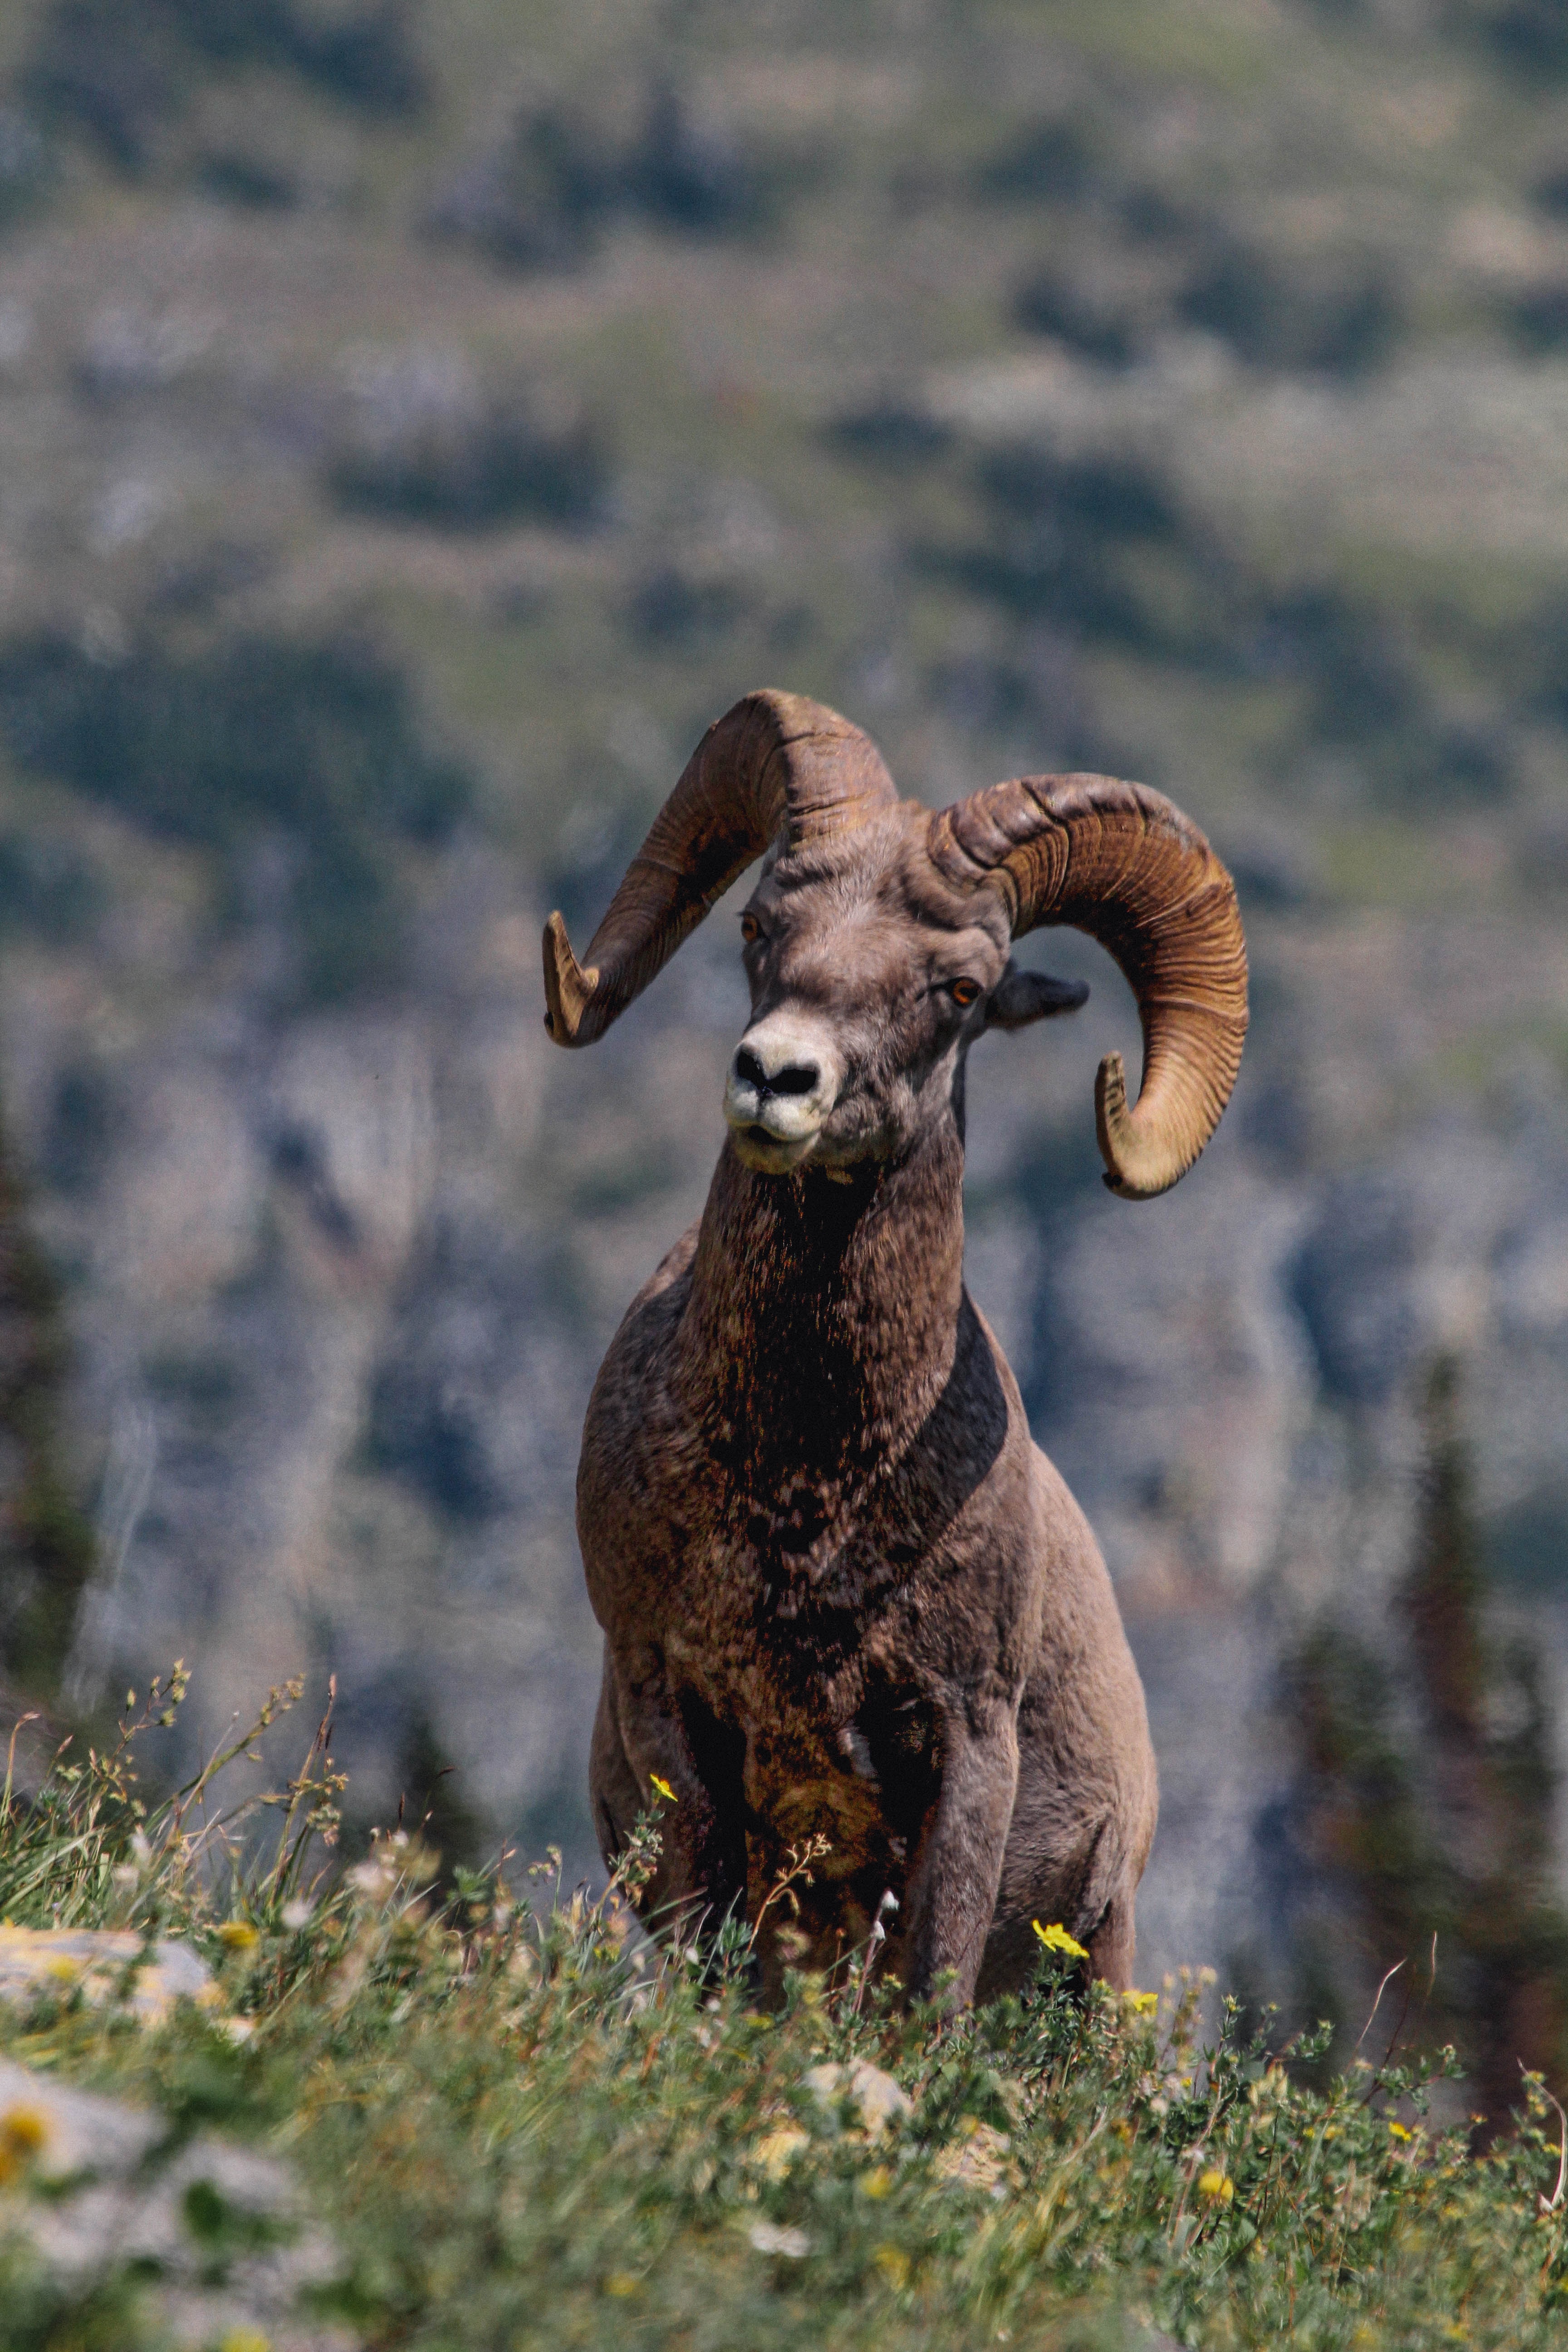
[770, 1155]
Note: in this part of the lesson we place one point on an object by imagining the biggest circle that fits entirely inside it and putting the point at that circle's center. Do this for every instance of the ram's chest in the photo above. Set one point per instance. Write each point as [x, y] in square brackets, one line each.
[788, 1604]
[813, 1705]
[757, 1651]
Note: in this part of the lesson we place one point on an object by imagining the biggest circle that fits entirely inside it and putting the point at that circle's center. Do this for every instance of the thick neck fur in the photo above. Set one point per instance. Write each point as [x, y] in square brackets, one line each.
[823, 1316]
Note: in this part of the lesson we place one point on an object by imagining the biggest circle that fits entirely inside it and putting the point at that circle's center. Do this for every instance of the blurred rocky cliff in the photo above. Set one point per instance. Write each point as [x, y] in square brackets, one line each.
[414, 427]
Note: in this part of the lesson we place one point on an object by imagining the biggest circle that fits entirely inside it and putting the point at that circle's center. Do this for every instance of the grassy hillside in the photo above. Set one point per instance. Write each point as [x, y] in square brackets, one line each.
[525, 2128]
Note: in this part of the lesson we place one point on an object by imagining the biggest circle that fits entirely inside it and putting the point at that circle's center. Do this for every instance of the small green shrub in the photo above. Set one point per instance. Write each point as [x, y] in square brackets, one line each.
[1528, 37]
[364, 55]
[542, 197]
[1053, 160]
[674, 606]
[432, 1441]
[230, 175]
[105, 72]
[119, 75]
[425, 445]
[48, 891]
[1106, 546]
[1319, 315]
[316, 742]
[1097, 544]
[889, 432]
[85, 1116]
[1367, 693]
[693, 173]
[287, 731]
[1088, 318]
[27, 165]
[1538, 316]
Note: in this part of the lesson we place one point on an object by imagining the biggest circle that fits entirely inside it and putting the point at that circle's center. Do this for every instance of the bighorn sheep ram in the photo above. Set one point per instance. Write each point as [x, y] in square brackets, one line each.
[843, 1593]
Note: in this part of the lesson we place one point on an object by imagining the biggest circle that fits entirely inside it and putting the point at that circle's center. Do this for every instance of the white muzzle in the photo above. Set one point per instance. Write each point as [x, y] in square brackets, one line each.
[785, 1076]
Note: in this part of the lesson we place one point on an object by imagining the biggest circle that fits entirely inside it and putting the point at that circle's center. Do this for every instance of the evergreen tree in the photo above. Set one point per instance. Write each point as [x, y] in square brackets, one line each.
[1429, 1792]
[46, 1544]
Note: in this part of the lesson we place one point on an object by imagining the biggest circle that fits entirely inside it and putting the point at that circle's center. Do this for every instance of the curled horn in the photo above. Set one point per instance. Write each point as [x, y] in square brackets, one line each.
[775, 762]
[1119, 862]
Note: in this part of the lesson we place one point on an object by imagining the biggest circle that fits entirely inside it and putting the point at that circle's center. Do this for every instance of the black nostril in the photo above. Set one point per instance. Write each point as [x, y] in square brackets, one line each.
[794, 1078]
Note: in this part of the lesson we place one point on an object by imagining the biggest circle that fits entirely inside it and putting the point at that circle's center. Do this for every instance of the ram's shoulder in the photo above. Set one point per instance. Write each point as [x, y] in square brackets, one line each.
[633, 1373]
[657, 1307]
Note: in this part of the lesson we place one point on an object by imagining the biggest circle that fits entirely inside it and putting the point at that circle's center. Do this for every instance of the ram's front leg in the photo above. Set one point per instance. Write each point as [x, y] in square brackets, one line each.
[640, 1742]
[951, 1893]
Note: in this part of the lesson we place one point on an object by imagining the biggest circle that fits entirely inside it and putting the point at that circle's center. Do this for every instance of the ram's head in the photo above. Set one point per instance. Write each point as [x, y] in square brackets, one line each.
[878, 941]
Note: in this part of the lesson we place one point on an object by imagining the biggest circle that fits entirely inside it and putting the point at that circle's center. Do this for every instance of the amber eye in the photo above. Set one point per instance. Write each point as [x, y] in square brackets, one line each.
[750, 929]
[964, 991]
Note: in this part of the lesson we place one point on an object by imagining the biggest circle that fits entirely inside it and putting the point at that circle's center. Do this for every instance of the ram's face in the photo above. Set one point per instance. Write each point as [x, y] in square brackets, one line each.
[869, 981]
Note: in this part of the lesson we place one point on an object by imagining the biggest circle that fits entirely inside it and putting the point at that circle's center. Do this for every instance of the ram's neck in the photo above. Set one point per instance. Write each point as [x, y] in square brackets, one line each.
[823, 1315]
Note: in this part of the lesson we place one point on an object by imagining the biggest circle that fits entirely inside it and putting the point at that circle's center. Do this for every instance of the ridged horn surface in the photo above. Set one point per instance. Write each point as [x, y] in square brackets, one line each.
[1122, 863]
[776, 762]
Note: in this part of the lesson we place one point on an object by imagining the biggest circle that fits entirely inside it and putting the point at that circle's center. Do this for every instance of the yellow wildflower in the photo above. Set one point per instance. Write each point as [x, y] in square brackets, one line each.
[1216, 2187]
[1142, 2004]
[894, 2265]
[621, 2283]
[877, 2181]
[1398, 2131]
[1056, 1939]
[239, 1935]
[665, 1790]
[24, 2130]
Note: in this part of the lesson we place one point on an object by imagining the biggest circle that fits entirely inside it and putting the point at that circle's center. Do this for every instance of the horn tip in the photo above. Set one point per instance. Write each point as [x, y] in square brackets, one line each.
[568, 989]
[1120, 1146]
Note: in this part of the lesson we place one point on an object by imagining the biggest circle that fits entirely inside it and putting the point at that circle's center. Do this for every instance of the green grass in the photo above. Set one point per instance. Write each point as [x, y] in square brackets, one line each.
[526, 2127]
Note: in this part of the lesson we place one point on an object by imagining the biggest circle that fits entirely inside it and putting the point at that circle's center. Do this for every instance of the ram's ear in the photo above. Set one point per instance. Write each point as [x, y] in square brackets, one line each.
[1020, 997]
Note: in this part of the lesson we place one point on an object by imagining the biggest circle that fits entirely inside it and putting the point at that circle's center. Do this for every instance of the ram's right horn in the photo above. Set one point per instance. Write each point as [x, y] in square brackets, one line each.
[1122, 863]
